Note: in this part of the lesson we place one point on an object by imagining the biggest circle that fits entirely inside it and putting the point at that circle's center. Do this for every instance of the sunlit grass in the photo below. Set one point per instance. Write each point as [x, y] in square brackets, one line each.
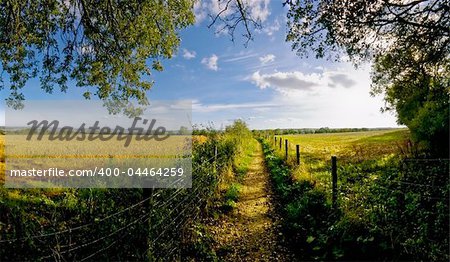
[243, 161]
[357, 153]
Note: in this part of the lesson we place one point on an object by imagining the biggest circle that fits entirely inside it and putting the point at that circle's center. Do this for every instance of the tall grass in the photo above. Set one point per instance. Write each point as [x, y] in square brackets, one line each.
[115, 224]
[389, 207]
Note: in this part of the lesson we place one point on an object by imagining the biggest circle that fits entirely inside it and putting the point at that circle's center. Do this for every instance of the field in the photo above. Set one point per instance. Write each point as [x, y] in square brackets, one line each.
[19, 146]
[351, 144]
[39, 224]
[382, 191]
[352, 148]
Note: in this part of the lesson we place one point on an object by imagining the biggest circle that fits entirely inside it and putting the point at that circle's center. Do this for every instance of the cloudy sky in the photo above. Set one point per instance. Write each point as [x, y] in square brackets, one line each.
[266, 83]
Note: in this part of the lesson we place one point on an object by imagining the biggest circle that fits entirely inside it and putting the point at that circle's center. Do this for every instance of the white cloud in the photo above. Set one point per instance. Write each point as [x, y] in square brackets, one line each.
[267, 58]
[270, 29]
[340, 79]
[205, 8]
[199, 107]
[286, 81]
[322, 106]
[2, 117]
[258, 9]
[189, 54]
[200, 12]
[211, 62]
[240, 57]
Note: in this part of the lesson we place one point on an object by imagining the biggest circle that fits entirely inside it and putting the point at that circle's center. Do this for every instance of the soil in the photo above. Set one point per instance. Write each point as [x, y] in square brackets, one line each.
[252, 231]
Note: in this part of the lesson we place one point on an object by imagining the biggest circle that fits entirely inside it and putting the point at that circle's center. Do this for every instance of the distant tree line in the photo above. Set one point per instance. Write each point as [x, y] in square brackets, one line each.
[293, 131]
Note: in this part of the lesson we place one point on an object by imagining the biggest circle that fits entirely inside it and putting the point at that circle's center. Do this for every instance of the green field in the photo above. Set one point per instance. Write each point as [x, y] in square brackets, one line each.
[380, 195]
[350, 147]
[383, 190]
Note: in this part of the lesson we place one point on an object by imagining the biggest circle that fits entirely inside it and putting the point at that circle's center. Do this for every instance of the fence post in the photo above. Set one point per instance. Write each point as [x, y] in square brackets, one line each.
[334, 180]
[275, 141]
[297, 149]
[286, 148]
[280, 142]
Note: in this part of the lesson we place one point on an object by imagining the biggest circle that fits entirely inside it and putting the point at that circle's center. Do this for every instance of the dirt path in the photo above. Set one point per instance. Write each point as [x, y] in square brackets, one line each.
[251, 232]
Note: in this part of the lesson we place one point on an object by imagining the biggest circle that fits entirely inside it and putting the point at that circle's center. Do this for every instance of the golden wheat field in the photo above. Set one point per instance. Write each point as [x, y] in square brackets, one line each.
[19, 146]
[74, 154]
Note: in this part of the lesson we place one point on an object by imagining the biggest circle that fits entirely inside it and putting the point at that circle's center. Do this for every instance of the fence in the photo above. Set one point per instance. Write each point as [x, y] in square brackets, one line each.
[152, 229]
[293, 157]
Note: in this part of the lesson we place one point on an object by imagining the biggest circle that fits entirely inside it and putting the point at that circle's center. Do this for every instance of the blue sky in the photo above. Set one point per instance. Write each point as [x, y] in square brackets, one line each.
[265, 84]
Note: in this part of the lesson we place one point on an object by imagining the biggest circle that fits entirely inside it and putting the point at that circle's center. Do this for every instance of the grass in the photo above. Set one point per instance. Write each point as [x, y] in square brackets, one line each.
[233, 192]
[344, 144]
[350, 148]
[244, 159]
[231, 187]
[388, 208]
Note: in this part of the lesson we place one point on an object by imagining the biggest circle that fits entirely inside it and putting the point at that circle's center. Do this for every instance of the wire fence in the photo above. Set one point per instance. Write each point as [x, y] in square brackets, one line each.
[150, 228]
[355, 175]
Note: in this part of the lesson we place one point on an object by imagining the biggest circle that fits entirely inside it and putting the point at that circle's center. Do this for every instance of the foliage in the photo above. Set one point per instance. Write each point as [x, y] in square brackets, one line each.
[391, 207]
[233, 192]
[201, 247]
[418, 90]
[241, 143]
[409, 43]
[307, 213]
[97, 221]
[103, 44]
[292, 131]
[245, 146]
[364, 29]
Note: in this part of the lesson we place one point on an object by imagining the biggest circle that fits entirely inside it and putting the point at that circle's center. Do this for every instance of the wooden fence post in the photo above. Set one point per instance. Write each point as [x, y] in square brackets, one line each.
[286, 144]
[334, 180]
[297, 149]
[275, 141]
[280, 142]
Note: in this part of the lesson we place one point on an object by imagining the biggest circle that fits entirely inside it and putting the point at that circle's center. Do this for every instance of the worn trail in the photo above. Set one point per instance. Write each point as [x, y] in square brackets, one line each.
[251, 232]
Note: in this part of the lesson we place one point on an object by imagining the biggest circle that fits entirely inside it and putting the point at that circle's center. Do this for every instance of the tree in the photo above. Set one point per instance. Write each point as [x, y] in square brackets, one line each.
[105, 45]
[232, 15]
[409, 43]
[419, 92]
[184, 131]
[365, 29]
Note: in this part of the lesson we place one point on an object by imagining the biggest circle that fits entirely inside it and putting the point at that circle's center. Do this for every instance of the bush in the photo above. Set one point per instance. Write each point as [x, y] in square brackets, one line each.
[394, 210]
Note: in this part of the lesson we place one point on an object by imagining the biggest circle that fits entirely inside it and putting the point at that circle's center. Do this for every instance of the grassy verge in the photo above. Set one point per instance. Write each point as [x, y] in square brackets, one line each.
[389, 208]
[231, 187]
[227, 191]
[307, 215]
[41, 224]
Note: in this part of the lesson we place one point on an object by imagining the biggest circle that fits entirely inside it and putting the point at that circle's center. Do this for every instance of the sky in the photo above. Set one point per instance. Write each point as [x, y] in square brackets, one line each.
[264, 83]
